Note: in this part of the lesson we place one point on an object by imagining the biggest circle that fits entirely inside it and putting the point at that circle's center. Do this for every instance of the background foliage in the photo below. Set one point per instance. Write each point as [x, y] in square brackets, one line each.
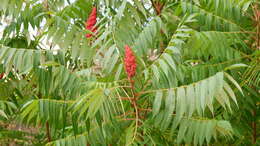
[197, 80]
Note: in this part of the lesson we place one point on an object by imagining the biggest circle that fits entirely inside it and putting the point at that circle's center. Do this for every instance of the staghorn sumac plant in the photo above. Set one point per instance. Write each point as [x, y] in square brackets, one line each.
[102, 86]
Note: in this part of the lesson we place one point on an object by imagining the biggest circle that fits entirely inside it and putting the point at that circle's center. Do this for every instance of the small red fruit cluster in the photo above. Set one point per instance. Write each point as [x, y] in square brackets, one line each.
[91, 21]
[1, 75]
[130, 63]
[129, 60]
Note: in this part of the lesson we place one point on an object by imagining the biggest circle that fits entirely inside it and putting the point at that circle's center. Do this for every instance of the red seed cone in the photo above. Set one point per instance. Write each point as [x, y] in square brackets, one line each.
[1, 75]
[130, 63]
[91, 21]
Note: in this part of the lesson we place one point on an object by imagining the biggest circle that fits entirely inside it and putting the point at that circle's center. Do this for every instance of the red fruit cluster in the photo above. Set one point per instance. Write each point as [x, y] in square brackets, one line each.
[90, 23]
[1, 75]
[130, 63]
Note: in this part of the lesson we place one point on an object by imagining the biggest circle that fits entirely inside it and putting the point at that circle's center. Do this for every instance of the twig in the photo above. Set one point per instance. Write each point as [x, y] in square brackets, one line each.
[48, 131]
[157, 6]
[136, 116]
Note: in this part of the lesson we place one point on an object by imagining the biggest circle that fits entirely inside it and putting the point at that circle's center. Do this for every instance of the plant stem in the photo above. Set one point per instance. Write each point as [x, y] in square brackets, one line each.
[157, 7]
[46, 5]
[48, 131]
[254, 127]
[257, 21]
[134, 98]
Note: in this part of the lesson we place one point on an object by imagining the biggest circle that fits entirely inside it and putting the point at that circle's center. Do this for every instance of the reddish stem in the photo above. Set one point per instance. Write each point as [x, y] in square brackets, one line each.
[48, 132]
[254, 135]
